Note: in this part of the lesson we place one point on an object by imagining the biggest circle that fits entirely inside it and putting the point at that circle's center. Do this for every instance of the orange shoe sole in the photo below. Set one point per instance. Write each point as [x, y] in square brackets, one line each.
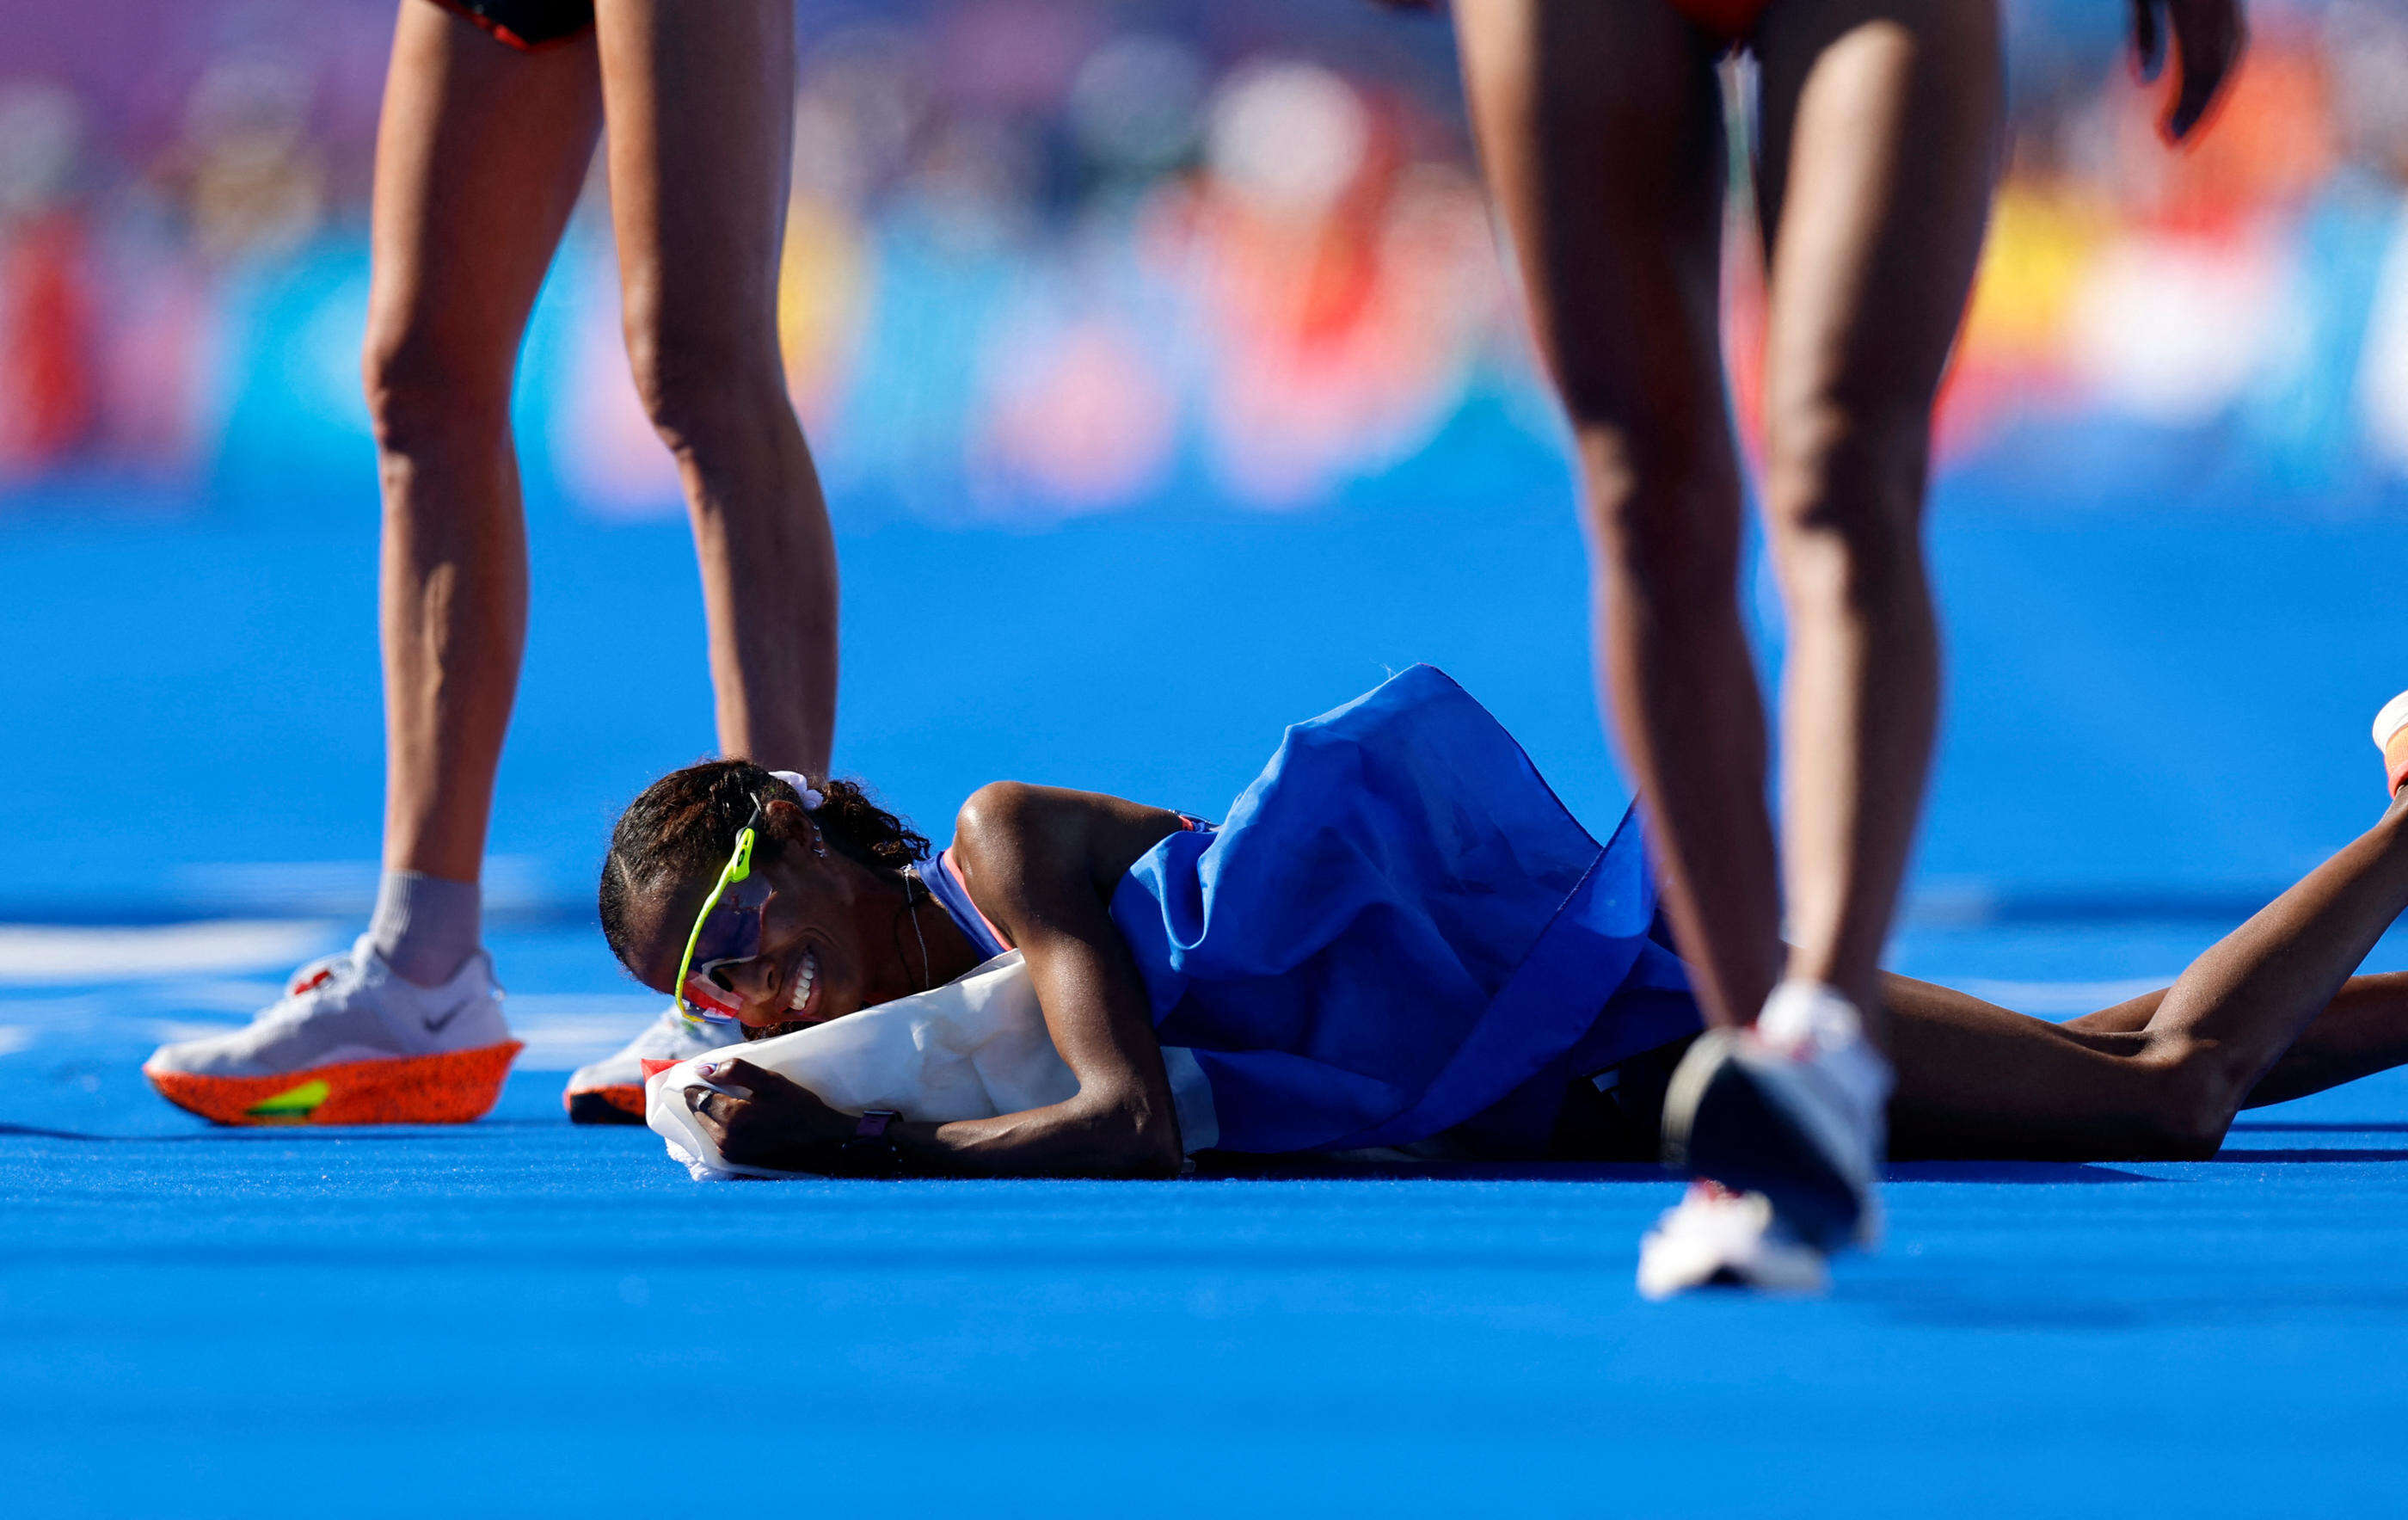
[620, 1105]
[454, 1087]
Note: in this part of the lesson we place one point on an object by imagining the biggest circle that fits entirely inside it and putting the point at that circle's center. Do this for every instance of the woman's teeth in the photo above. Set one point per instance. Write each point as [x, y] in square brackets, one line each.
[805, 974]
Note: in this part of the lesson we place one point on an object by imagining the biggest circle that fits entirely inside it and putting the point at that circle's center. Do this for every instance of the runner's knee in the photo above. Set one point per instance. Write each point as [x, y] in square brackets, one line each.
[702, 382]
[430, 390]
[1663, 509]
[2192, 1095]
[1843, 498]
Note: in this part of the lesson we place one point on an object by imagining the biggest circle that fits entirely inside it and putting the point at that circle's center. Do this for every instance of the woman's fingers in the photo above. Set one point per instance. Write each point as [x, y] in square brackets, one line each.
[722, 1077]
[732, 1124]
[753, 1079]
[2209, 35]
[2208, 39]
[2148, 40]
[699, 1100]
[756, 1116]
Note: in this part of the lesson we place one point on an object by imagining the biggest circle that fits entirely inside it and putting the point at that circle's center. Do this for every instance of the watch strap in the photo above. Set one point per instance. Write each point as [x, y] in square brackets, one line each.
[871, 1150]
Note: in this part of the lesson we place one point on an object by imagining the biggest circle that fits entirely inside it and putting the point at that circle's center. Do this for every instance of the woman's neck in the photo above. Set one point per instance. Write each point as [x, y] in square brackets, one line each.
[931, 948]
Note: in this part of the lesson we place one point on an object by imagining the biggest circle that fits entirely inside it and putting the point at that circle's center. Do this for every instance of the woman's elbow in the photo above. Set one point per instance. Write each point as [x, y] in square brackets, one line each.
[1145, 1138]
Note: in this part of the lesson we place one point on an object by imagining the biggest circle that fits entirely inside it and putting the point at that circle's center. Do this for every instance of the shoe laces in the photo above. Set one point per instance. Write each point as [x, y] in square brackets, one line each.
[307, 991]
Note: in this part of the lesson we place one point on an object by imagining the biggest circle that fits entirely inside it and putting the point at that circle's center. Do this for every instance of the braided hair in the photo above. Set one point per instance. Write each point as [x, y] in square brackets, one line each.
[682, 827]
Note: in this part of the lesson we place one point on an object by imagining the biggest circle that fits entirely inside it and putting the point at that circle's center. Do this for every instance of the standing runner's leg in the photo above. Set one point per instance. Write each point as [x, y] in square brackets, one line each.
[699, 95]
[480, 154]
[1879, 145]
[1599, 125]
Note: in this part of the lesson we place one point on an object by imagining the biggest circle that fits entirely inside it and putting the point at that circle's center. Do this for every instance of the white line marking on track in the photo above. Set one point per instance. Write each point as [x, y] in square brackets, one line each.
[42, 955]
[562, 1031]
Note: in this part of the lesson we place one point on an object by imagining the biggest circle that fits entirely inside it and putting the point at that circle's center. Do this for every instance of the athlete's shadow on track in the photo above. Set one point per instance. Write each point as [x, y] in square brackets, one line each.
[2244, 1126]
[1228, 1167]
[1233, 1166]
[2312, 1156]
[1221, 1165]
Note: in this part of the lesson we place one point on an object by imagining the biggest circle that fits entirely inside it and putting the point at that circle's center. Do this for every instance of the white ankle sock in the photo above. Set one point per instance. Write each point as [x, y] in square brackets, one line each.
[1799, 1015]
[1814, 1022]
[425, 928]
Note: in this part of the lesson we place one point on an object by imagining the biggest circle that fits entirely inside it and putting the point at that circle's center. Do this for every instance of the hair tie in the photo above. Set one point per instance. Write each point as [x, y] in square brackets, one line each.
[813, 798]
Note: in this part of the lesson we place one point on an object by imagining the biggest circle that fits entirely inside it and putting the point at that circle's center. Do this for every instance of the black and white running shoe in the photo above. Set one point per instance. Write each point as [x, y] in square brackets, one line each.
[1718, 1239]
[1790, 1112]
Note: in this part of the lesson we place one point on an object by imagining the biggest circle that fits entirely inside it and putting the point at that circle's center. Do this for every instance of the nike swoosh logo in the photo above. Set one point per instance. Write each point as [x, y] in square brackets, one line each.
[291, 1108]
[434, 1023]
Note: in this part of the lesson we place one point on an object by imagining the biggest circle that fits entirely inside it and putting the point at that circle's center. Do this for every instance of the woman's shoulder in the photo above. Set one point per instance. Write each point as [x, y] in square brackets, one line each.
[998, 806]
[1018, 827]
[1009, 819]
[1010, 826]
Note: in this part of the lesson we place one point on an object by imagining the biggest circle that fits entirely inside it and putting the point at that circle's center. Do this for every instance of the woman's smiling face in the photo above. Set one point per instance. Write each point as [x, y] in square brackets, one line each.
[813, 962]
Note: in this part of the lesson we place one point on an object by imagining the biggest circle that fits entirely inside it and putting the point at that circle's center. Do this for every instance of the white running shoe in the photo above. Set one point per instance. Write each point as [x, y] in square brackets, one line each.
[2391, 737]
[1793, 1110]
[1716, 1238]
[611, 1091]
[350, 1043]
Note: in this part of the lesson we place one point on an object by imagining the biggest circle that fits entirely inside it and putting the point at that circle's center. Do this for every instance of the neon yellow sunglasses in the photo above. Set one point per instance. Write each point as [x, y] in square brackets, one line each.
[726, 932]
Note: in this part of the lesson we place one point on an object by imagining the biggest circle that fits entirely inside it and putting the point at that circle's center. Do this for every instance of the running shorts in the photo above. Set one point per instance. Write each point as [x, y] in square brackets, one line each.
[526, 24]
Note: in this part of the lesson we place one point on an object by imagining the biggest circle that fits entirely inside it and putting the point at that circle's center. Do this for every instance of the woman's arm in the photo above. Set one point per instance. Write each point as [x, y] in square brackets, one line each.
[1042, 862]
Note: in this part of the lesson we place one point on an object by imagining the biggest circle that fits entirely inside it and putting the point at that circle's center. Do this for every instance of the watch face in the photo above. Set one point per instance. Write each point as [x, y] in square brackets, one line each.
[871, 1147]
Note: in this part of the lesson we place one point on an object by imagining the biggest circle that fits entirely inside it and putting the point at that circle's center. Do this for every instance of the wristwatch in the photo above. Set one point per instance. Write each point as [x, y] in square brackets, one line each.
[871, 1148]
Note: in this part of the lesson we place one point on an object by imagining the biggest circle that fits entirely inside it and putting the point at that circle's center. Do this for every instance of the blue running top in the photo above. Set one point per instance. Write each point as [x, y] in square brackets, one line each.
[1399, 931]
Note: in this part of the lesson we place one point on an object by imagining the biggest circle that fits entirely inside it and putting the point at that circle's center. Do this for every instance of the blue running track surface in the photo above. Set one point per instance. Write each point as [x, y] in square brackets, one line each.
[2158, 712]
[522, 1318]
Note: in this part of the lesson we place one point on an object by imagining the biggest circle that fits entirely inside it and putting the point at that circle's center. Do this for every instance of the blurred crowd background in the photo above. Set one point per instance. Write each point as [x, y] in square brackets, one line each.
[1050, 258]
[1168, 388]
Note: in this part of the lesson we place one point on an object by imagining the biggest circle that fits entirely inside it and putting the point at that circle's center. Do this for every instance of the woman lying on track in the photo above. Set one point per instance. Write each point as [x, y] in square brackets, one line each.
[1399, 938]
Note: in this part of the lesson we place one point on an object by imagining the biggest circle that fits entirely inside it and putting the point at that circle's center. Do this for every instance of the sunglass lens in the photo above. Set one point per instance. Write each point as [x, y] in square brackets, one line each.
[731, 933]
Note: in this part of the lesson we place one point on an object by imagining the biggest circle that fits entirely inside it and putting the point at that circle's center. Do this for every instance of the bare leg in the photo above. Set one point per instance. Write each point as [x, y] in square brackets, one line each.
[700, 100]
[1600, 127]
[2270, 1011]
[1881, 130]
[480, 154]
[2363, 1031]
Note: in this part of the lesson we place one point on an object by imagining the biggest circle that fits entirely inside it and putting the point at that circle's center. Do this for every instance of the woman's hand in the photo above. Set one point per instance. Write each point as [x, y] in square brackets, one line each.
[2209, 38]
[776, 1122]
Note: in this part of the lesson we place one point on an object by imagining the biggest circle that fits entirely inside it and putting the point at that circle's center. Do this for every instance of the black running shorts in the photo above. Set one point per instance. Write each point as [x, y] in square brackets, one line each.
[526, 24]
